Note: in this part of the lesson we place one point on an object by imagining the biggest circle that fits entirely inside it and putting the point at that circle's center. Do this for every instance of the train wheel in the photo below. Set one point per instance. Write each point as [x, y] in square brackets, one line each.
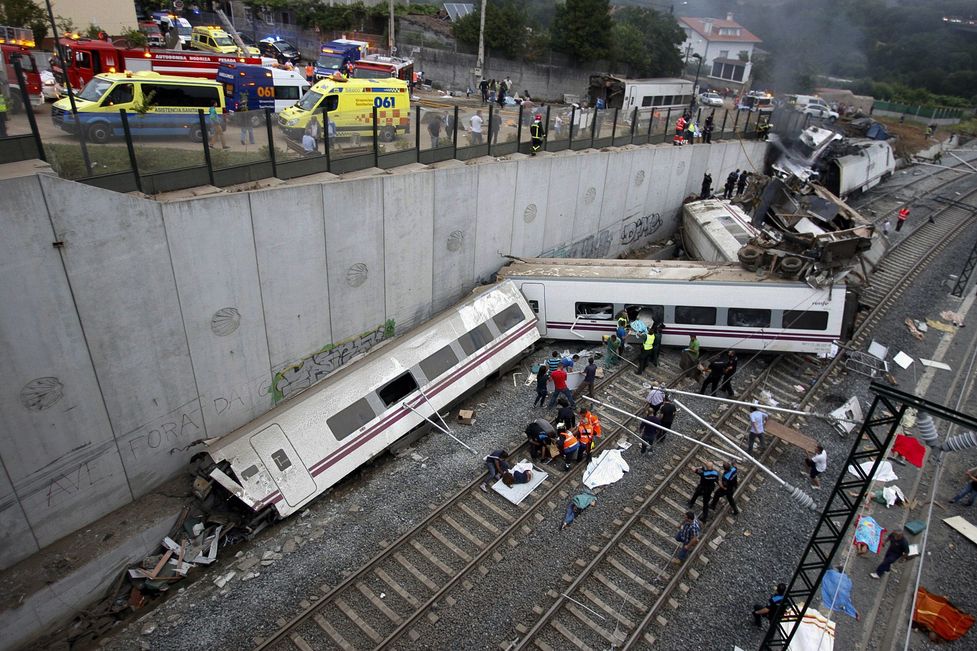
[791, 265]
[750, 256]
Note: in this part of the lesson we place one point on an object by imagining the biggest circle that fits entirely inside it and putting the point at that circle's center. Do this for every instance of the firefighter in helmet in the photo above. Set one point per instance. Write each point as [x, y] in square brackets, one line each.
[537, 132]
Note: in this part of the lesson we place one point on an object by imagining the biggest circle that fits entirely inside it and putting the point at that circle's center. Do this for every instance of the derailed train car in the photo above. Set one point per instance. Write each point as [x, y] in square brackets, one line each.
[278, 463]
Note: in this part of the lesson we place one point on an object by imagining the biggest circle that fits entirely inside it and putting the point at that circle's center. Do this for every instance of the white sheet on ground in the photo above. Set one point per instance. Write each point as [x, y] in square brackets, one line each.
[816, 633]
[605, 469]
[883, 474]
[890, 493]
[518, 492]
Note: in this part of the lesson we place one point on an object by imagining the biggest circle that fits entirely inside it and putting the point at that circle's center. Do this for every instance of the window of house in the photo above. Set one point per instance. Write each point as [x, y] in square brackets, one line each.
[743, 317]
[438, 363]
[693, 315]
[602, 311]
[800, 320]
[724, 54]
[478, 338]
[396, 390]
[281, 460]
[738, 72]
[509, 318]
[351, 419]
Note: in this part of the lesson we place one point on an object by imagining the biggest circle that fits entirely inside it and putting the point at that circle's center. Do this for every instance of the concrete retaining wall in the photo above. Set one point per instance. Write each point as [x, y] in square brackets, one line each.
[133, 328]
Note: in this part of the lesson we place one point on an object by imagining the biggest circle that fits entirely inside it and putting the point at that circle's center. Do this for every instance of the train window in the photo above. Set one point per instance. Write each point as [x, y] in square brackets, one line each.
[695, 315]
[603, 311]
[534, 306]
[656, 312]
[437, 363]
[397, 389]
[281, 460]
[509, 318]
[798, 320]
[743, 317]
[249, 472]
[351, 419]
[475, 339]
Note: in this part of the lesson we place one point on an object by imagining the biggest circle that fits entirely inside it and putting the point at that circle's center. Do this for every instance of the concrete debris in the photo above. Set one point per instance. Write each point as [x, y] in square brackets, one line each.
[148, 629]
[247, 564]
[250, 575]
[271, 556]
[289, 546]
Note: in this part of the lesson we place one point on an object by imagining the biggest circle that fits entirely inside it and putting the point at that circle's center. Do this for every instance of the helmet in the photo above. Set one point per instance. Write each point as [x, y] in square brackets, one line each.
[539, 116]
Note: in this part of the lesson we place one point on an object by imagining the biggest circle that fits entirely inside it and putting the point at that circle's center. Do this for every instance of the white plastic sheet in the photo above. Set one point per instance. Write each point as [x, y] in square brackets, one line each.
[605, 469]
[883, 474]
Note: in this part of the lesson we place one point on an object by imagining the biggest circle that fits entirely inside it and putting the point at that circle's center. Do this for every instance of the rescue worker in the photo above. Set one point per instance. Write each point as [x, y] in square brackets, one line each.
[903, 216]
[310, 72]
[716, 368]
[622, 330]
[730, 184]
[741, 183]
[707, 131]
[612, 346]
[537, 133]
[774, 609]
[727, 486]
[708, 476]
[679, 138]
[691, 127]
[539, 433]
[569, 445]
[763, 129]
[3, 114]
[588, 429]
[706, 186]
[657, 329]
[647, 348]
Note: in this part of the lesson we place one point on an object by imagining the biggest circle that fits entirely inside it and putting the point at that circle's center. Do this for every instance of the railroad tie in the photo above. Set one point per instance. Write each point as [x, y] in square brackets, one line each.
[460, 553]
[492, 507]
[378, 603]
[437, 562]
[300, 642]
[407, 565]
[650, 545]
[479, 519]
[591, 624]
[611, 612]
[396, 587]
[472, 538]
[568, 634]
[354, 617]
[626, 571]
[619, 591]
[332, 632]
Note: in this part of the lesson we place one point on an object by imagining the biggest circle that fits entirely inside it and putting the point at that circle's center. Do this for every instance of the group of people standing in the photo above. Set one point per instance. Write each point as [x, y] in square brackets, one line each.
[494, 91]
[687, 127]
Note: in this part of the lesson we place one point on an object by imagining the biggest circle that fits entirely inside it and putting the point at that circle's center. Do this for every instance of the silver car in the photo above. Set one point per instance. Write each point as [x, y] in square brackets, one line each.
[711, 99]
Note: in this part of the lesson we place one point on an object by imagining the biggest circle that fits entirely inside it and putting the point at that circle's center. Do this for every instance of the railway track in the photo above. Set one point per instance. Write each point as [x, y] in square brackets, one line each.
[392, 599]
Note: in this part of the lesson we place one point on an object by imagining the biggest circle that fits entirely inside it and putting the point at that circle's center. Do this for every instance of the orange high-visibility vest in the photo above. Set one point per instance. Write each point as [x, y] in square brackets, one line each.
[569, 440]
[588, 428]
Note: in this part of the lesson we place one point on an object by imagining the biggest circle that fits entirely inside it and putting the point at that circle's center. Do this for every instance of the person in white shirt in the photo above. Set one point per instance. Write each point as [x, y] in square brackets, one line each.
[655, 399]
[476, 122]
[308, 143]
[817, 465]
[758, 419]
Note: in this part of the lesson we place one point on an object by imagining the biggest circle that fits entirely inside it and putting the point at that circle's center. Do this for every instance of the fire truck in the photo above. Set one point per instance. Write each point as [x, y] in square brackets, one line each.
[16, 44]
[376, 66]
[88, 57]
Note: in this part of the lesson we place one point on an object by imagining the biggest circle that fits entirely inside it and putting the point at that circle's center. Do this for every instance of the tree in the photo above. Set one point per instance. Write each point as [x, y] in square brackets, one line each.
[582, 29]
[24, 13]
[505, 28]
[647, 41]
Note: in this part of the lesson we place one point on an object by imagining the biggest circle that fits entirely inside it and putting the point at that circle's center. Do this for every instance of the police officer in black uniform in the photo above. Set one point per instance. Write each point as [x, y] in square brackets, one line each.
[708, 476]
[727, 487]
[774, 608]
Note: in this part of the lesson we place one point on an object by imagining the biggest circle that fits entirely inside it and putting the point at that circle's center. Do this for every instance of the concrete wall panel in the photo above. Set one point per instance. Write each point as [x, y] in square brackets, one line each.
[132, 322]
[678, 181]
[529, 208]
[494, 216]
[589, 197]
[698, 166]
[455, 209]
[561, 200]
[291, 252]
[55, 438]
[16, 540]
[614, 196]
[213, 252]
[408, 232]
[354, 255]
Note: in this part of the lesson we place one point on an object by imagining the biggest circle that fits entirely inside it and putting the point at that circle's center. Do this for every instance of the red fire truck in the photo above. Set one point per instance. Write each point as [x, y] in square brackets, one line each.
[375, 66]
[16, 44]
[89, 57]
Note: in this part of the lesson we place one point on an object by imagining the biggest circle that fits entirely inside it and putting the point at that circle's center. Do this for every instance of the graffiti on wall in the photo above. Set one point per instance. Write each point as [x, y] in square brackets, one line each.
[594, 246]
[309, 370]
[641, 227]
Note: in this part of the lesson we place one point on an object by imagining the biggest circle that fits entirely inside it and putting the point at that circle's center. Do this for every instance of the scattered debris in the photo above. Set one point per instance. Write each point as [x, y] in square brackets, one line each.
[953, 317]
[466, 416]
[933, 364]
[903, 360]
[940, 325]
[913, 330]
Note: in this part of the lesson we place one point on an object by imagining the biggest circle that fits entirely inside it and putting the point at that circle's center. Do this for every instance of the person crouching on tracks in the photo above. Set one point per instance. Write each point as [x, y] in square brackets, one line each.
[539, 433]
[708, 476]
[497, 465]
[588, 429]
[569, 445]
[774, 608]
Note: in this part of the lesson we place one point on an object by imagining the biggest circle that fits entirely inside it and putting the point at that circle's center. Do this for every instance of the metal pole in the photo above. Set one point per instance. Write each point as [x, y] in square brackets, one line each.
[206, 141]
[614, 125]
[390, 31]
[376, 144]
[722, 129]
[736, 119]
[67, 87]
[634, 123]
[454, 138]
[417, 133]
[26, 99]
[271, 142]
[519, 130]
[546, 141]
[130, 148]
[651, 123]
[326, 141]
[757, 404]
[491, 117]
[746, 126]
[480, 61]
[593, 127]
[668, 121]
[573, 115]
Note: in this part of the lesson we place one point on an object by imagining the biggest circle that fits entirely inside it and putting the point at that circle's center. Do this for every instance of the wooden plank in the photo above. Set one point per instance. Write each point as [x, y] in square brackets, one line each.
[961, 524]
[333, 633]
[378, 603]
[396, 587]
[790, 435]
[359, 621]
[407, 565]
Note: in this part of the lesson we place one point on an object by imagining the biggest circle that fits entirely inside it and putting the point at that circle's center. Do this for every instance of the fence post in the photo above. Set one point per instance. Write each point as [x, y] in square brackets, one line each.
[326, 141]
[489, 129]
[519, 131]
[651, 123]
[546, 140]
[376, 142]
[736, 119]
[454, 137]
[722, 129]
[132, 152]
[614, 125]
[668, 121]
[271, 142]
[634, 123]
[573, 115]
[593, 127]
[417, 134]
[746, 125]
[26, 99]
[206, 141]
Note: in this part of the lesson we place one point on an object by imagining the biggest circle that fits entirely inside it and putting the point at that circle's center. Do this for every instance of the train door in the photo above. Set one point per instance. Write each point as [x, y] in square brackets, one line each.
[535, 296]
[283, 464]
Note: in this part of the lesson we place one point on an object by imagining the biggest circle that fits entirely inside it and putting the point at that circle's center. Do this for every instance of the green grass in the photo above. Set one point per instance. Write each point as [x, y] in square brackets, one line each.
[108, 159]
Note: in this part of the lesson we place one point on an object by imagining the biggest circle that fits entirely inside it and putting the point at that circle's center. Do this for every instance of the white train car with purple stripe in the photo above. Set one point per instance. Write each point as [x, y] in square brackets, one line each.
[279, 462]
[724, 305]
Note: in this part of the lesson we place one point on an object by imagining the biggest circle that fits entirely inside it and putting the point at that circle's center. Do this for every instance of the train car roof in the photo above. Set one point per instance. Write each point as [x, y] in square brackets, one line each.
[632, 270]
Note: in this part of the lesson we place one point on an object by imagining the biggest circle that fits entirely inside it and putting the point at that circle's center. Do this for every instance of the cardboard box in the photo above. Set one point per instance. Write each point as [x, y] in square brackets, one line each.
[466, 416]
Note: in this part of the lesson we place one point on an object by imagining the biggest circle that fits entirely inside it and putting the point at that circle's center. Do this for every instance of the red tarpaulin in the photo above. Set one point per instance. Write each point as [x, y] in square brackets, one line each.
[910, 449]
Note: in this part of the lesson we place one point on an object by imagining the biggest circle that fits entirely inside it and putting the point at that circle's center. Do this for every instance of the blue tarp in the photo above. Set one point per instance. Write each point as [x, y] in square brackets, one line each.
[836, 593]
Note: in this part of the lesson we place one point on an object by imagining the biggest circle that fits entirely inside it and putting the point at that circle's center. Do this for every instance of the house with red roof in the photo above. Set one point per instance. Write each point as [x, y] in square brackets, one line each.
[726, 47]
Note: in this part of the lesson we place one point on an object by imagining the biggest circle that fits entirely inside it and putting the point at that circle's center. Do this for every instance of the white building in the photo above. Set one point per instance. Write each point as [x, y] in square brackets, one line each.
[113, 16]
[726, 47]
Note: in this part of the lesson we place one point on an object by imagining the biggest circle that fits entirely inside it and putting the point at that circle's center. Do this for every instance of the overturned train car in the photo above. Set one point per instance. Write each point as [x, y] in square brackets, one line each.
[278, 463]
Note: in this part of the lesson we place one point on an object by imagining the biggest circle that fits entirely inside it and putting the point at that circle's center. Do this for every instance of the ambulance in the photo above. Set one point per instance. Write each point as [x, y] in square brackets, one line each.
[274, 88]
[350, 104]
[215, 39]
[155, 105]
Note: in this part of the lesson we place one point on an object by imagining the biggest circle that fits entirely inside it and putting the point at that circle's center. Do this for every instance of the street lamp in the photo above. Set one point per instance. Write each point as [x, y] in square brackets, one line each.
[695, 84]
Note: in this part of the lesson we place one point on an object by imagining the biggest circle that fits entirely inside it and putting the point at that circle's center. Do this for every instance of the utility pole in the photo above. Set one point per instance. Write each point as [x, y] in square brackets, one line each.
[480, 62]
[390, 31]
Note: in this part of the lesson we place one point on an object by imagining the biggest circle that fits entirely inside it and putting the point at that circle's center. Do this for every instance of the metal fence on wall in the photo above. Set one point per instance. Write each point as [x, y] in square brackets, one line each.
[249, 146]
[933, 112]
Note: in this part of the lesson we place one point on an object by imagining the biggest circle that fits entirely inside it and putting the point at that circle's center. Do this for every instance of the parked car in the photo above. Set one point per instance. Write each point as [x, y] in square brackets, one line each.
[281, 51]
[820, 111]
[711, 99]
